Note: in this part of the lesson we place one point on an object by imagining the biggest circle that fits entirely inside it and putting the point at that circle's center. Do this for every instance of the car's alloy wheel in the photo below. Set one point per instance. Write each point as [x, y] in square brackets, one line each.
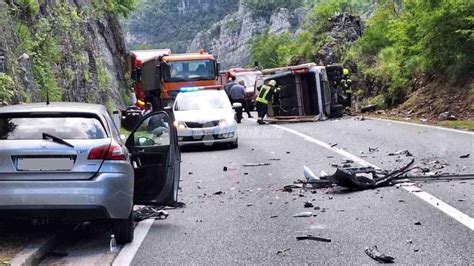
[123, 229]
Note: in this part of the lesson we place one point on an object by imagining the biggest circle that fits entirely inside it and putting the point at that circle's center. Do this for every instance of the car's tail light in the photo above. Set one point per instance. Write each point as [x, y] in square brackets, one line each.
[112, 152]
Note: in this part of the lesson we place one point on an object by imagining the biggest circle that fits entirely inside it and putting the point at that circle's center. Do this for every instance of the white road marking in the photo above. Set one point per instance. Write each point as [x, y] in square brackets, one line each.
[422, 125]
[432, 200]
[128, 252]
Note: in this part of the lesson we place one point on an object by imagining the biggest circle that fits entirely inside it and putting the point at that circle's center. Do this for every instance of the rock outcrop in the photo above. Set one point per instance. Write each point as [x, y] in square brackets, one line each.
[346, 29]
[229, 39]
[72, 49]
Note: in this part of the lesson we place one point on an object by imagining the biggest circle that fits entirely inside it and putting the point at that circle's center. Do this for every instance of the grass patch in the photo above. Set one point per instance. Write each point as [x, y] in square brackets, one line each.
[459, 124]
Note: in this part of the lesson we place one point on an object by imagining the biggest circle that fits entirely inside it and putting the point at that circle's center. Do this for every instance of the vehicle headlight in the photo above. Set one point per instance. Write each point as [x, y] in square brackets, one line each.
[179, 124]
[226, 121]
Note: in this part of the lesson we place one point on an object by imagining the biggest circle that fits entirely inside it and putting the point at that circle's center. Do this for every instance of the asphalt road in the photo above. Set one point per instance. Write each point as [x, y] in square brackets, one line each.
[252, 219]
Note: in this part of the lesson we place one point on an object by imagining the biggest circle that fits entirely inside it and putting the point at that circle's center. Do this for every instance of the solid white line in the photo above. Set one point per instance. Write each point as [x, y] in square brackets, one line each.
[128, 252]
[432, 200]
[422, 125]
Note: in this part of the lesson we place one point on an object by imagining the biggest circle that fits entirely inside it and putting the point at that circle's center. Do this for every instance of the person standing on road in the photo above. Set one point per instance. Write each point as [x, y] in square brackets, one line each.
[264, 97]
[237, 95]
[346, 83]
[230, 83]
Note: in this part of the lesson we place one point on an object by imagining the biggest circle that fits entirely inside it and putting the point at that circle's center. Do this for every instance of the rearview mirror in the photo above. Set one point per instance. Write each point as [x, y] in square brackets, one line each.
[236, 105]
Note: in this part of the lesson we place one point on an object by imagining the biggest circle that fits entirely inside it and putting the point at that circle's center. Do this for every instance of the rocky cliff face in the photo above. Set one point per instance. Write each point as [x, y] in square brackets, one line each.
[173, 23]
[73, 50]
[229, 38]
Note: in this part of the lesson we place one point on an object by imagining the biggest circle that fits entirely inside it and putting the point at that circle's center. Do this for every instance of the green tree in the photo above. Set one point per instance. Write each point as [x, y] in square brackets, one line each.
[7, 85]
[273, 50]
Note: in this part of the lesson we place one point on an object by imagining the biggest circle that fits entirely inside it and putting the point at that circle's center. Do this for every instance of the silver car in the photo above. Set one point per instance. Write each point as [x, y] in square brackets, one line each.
[67, 161]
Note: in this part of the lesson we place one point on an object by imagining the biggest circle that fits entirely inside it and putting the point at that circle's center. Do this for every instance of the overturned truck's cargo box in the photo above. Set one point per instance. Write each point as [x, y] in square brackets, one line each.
[305, 94]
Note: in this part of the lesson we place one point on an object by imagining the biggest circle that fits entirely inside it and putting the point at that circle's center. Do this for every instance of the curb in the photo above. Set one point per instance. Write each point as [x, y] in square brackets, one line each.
[33, 252]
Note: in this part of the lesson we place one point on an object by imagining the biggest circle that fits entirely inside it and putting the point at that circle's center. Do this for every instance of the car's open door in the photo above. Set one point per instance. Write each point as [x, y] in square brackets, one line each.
[156, 158]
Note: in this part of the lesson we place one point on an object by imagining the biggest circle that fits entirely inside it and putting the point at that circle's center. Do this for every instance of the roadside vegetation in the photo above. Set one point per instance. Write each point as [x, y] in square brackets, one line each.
[50, 38]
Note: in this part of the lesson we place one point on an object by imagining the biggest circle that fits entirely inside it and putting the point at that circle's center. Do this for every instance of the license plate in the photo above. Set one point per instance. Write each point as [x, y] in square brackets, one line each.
[202, 132]
[45, 164]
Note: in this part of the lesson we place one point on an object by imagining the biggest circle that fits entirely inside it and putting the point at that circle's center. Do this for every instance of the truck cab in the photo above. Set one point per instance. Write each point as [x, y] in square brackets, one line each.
[159, 75]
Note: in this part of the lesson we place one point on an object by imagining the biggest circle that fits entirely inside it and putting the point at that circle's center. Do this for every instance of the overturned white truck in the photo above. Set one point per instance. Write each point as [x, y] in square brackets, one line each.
[308, 93]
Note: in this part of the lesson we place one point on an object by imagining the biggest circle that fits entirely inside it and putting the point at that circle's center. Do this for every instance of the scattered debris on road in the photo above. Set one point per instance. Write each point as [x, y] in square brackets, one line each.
[465, 156]
[303, 214]
[283, 252]
[401, 152]
[355, 178]
[373, 149]
[256, 164]
[375, 254]
[315, 238]
[150, 212]
[309, 175]
[289, 188]
[364, 178]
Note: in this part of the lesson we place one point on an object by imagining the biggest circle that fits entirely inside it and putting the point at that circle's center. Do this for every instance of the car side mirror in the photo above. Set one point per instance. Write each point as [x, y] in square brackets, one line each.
[236, 105]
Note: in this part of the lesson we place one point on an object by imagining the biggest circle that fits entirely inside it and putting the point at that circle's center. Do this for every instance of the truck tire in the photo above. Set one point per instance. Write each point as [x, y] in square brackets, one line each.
[124, 229]
[337, 111]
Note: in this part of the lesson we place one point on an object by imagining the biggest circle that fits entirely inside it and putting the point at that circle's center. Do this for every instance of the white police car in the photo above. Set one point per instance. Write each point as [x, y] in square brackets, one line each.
[205, 117]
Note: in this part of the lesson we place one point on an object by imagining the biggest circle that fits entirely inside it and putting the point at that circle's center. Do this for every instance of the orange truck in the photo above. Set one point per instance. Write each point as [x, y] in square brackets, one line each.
[160, 75]
[249, 76]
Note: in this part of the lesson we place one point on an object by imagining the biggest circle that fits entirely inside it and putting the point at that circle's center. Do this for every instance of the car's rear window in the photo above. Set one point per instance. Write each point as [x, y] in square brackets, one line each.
[18, 128]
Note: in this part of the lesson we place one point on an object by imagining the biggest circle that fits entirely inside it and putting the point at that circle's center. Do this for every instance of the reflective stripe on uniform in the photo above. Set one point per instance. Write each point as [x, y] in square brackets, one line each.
[349, 86]
[262, 96]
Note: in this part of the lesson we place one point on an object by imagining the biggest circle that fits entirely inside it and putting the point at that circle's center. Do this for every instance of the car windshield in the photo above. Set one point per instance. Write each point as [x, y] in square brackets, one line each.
[202, 101]
[32, 128]
[190, 71]
[249, 79]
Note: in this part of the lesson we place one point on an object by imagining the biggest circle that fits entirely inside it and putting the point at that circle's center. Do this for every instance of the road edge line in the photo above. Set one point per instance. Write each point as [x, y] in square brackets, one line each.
[34, 252]
[128, 252]
[422, 125]
[449, 210]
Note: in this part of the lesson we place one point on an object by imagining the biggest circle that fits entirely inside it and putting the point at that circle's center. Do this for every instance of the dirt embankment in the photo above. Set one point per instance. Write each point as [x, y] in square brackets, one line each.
[438, 100]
